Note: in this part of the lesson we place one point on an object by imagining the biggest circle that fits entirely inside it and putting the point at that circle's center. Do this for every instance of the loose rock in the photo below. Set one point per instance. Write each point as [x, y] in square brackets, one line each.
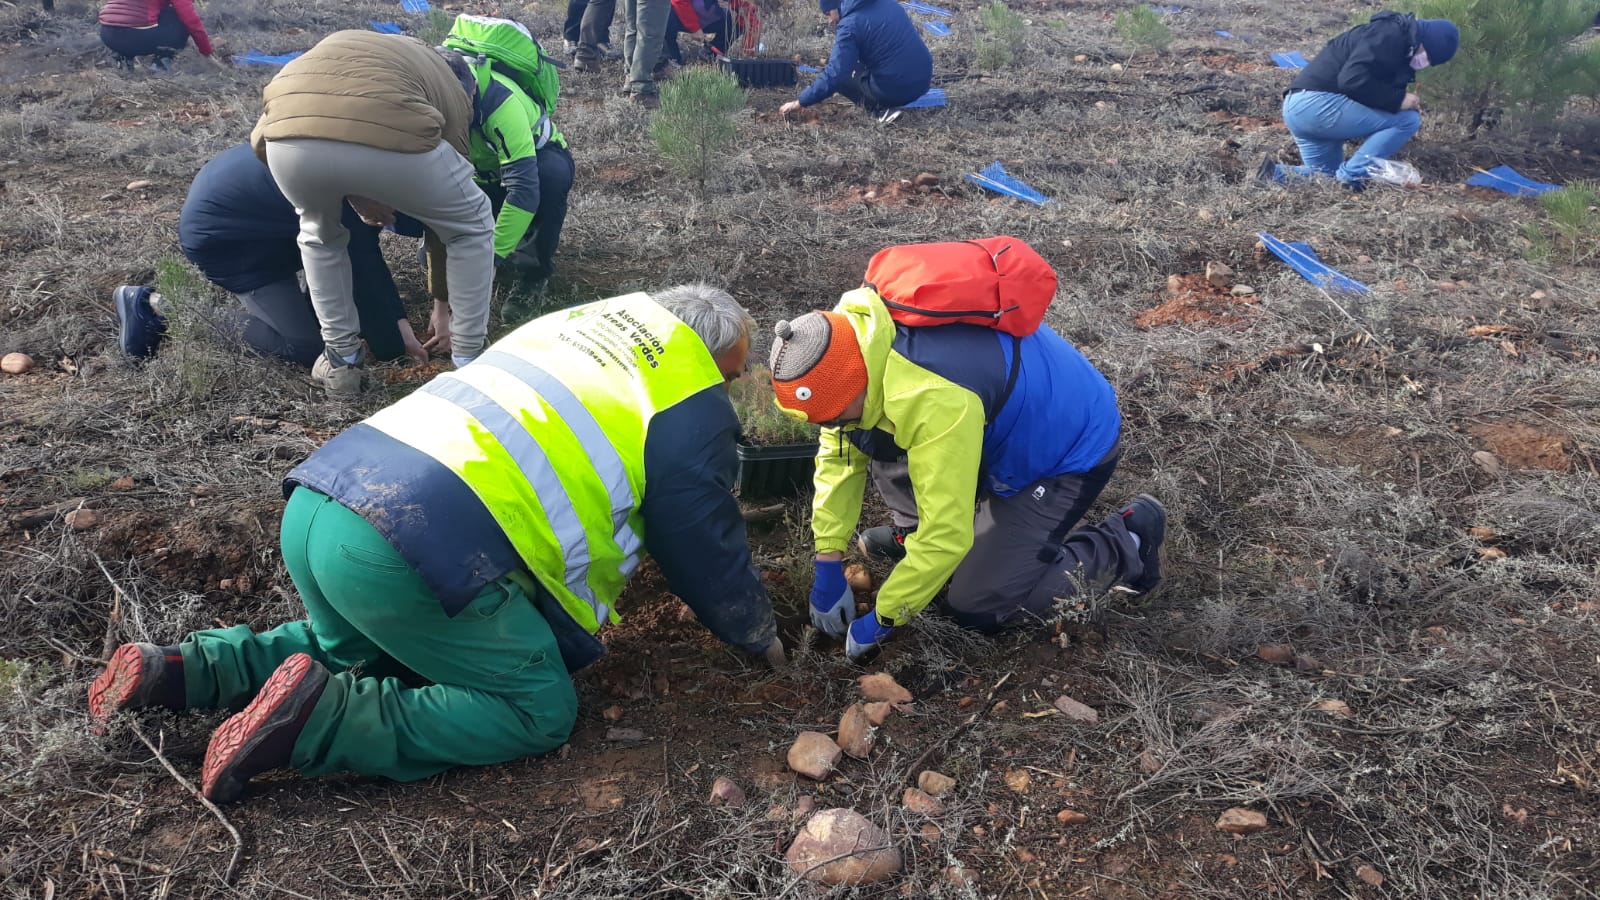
[856, 732]
[626, 735]
[1077, 712]
[1483, 459]
[877, 713]
[859, 579]
[1243, 290]
[1219, 274]
[935, 783]
[1369, 875]
[804, 806]
[1277, 654]
[1116, 67]
[724, 792]
[921, 802]
[124, 483]
[1071, 817]
[960, 876]
[82, 519]
[923, 179]
[1018, 780]
[140, 185]
[839, 846]
[882, 686]
[1335, 707]
[1081, 57]
[16, 364]
[612, 713]
[1239, 820]
[814, 755]
[1149, 763]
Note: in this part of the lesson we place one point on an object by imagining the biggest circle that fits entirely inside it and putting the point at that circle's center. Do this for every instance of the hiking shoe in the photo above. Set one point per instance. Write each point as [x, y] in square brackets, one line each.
[884, 542]
[1147, 518]
[1267, 172]
[343, 382]
[141, 327]
[646, 99]
[585, 64]
[161, 64]
[888, 116]
[138, 676]
[262, 737]
[571, 47]
[608, 53]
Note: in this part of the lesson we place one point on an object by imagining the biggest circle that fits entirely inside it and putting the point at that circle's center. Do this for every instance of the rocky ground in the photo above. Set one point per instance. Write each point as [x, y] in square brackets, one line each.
[1372, 669]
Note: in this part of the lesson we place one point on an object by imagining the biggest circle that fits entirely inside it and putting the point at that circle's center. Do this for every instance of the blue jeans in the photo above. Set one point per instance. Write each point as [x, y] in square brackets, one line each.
[1321, 122]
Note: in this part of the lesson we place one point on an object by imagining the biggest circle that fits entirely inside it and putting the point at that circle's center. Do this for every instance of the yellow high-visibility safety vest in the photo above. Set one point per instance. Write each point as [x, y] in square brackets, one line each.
[547, 428]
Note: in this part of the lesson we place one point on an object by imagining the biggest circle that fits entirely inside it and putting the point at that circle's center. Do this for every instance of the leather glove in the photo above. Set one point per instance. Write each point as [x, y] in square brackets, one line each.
[833, 604]
[865, 635]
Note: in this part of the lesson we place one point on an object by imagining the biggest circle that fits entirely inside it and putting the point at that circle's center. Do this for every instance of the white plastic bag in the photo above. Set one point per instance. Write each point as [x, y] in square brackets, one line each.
[1393, 171]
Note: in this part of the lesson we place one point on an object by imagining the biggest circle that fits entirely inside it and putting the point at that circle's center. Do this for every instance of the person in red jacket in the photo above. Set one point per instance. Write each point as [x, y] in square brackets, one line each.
[158, 28]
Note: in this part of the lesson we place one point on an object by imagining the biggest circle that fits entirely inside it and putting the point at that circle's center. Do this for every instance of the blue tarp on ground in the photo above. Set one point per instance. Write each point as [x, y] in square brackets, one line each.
[385, 27]
[1226, 34]
[1290, 60]
[1304, 260]
[1168, 10]
[995, 178]
[938, 28]
[802, 67]
[253, 57]
[934, 97]
[925, 8]
[1509, 181]
[414, 6]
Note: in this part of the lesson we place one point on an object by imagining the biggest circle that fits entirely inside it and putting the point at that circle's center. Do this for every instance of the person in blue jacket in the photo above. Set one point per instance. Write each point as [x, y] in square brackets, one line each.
[240, 232]
[878, 62]
[1357, 88]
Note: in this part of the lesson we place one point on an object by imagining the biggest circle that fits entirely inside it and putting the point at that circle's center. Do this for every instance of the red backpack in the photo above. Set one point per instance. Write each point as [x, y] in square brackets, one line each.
[1000, 282]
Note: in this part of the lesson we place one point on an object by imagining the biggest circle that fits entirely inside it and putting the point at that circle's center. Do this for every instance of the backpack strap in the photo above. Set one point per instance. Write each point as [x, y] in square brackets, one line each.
[1011, 379]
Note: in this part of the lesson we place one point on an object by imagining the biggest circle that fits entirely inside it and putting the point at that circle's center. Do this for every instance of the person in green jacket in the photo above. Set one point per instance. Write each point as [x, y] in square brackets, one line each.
[521, 161]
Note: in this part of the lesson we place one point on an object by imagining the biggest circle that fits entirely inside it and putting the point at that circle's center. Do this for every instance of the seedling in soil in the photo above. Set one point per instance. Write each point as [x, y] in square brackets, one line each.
[764, 423]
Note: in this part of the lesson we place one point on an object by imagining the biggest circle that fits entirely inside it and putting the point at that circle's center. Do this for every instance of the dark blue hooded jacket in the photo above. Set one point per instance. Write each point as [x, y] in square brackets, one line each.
[878, 38]
[241, 232]
[1371, 63]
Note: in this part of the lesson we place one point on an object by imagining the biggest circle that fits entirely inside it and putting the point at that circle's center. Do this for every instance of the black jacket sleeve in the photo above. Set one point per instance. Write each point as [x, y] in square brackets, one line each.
[1377, 71]
[692, 524]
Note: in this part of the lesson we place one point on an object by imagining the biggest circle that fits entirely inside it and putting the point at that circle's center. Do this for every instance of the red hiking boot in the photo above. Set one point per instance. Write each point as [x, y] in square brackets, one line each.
[261, 737]
[138, 676]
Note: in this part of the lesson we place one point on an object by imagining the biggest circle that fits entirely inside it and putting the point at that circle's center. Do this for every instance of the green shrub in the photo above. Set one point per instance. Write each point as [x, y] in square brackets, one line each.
[1572, 217]
[1004, 31]
[693, 126]
[193, 324]
[1519, 61]
[1142, 27]
[758, 412]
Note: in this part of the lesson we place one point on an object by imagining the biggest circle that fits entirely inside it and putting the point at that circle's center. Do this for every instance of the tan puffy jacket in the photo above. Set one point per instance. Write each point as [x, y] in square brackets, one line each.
[386, 91]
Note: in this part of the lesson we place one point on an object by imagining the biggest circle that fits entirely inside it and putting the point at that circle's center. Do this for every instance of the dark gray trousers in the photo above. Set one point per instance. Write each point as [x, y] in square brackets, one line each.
[1015, 572]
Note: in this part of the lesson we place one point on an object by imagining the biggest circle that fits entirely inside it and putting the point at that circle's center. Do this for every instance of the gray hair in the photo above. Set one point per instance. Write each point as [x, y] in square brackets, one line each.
[710, 312]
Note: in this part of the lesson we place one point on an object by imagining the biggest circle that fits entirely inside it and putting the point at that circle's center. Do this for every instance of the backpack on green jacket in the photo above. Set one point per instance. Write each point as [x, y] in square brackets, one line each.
[510, 50]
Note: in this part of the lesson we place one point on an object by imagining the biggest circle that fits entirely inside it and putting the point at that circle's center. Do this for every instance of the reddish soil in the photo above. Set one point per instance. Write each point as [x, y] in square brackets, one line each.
[1526, 446]
[904, 192]
[1192, 300]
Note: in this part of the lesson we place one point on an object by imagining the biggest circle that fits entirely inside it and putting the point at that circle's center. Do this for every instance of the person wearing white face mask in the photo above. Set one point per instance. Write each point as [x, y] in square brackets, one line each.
[1357, 88]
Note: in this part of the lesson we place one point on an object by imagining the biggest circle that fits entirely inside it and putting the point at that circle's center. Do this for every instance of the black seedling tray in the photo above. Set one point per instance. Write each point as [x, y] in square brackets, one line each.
[775, 471]
[759, 73]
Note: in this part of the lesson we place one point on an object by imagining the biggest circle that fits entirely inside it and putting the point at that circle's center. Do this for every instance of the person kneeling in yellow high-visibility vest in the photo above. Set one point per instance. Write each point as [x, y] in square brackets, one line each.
[475, 535]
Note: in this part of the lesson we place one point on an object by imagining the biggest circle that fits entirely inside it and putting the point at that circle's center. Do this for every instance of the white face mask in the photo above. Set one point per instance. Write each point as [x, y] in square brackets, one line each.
[1420, 61]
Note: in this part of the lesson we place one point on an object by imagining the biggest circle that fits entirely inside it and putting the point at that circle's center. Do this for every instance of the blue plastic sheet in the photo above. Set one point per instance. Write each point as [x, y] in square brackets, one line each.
[802, 67]
[1304, 260]
[1226, 34]
[938, 28]
[1168, 10]
[925, 8]
[414, 6]
[385, 27]
[995, 178]
[1290, 60]
[1509, 181]
[934, 97]
[255, 57]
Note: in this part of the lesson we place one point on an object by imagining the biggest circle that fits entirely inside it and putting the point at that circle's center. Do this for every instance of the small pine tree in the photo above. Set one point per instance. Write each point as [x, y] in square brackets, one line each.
[1141, 26]
[1572, 214]
[1004, 32]
[693, 126]
[1519, 60]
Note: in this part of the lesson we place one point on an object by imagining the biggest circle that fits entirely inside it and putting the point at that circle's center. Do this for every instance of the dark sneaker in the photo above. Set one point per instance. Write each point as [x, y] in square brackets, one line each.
[608, 53]
[141, 327]
[585, 64]
[889, 116]
[138, 676]
[1267, 172]
[1147, 518]
[884, 542]
[161, 64]
[260, 738]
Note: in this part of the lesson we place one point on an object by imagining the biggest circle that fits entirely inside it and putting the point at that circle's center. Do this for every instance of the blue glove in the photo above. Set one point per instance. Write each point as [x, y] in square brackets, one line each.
[833, 604]
[865, 635]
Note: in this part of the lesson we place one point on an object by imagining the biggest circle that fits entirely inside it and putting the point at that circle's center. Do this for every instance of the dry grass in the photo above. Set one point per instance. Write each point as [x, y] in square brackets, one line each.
[1319, 498]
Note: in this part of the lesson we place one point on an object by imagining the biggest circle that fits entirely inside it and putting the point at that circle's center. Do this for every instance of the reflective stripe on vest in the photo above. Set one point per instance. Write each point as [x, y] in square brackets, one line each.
[558, 459]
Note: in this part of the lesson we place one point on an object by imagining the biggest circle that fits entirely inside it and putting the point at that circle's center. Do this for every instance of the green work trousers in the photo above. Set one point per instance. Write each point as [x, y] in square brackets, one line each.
[494, 687]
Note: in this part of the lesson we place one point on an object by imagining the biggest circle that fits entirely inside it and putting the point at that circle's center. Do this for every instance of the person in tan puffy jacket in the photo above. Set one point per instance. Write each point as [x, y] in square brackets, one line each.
[383, 120]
